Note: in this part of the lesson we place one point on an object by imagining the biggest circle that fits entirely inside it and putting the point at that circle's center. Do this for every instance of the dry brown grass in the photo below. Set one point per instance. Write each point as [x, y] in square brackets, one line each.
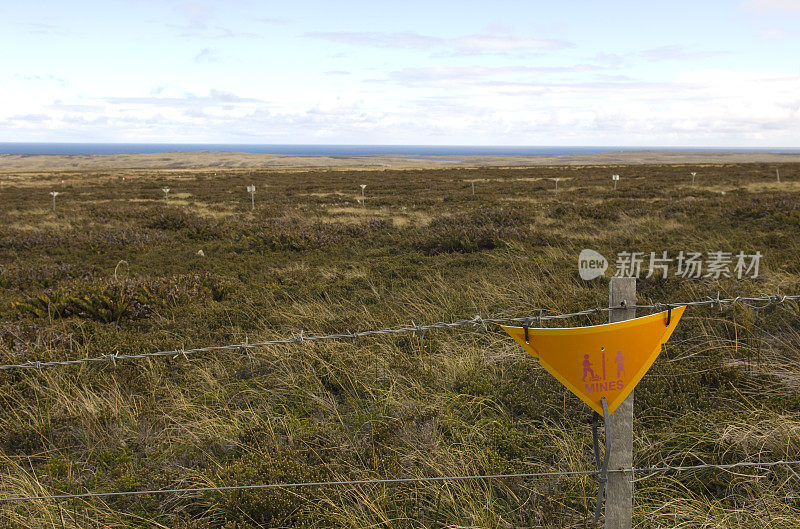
[422, 249]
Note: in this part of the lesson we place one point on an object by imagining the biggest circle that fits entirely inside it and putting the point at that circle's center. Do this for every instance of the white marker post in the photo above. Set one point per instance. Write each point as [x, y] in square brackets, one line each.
[556, 184]
[54, 194]
[252, 191]
[615, 178]
[778, 172]
[362, 194]
[473, 188]
[693, 175]
[166, 194]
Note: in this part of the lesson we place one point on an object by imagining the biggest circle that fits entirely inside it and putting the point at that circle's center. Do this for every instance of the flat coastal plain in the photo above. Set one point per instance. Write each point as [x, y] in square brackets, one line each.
[112, 265]
[206, 159]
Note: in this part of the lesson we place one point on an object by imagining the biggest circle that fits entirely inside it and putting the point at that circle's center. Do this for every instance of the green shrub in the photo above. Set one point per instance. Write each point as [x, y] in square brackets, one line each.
[110, 301]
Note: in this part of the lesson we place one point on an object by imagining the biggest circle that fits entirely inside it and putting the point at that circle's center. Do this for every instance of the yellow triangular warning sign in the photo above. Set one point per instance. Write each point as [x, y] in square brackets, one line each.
[601, 360]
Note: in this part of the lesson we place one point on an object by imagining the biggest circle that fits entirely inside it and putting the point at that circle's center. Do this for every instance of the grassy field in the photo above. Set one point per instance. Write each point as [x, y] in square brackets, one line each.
[116, 269]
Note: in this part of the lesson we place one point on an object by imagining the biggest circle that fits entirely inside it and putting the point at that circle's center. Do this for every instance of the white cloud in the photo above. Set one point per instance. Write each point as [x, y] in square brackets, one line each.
[273, 21]
[677, 53]
[197, 13]
[30, 118]
[207, 55]
[204, 31]
[509, 75]
[699, 108]
[405, 39]
[774, 5]
[490, 42]
[214, 98]
[44, 29]
[775, 34]
[200, 22]
[612, 60]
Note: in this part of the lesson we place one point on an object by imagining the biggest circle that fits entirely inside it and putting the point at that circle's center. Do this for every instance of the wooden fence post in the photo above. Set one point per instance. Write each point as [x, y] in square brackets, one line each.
[619, 491]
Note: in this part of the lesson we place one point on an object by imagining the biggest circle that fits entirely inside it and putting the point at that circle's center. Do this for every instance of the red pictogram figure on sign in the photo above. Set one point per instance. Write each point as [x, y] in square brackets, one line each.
[620, 361]
[587, 369]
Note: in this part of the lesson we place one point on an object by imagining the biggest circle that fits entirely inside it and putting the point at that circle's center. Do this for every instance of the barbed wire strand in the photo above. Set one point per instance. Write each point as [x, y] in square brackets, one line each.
[388, 481]
[766, 300]
[649, 471]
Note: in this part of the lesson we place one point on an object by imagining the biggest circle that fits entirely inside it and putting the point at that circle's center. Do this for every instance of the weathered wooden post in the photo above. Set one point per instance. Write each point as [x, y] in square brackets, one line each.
[363, 199]
[166, 195]
[693, 175]
[619, 490]
[585, 360]
[54, 194]
[778, 172]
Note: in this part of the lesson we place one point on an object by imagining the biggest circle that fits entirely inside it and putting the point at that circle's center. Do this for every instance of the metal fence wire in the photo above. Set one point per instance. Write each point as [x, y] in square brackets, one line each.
[756, 303]
[759, 302]
[647, 471]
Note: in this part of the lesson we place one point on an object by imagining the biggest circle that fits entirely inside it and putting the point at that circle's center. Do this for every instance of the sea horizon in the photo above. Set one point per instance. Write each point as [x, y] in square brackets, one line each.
[93, 148]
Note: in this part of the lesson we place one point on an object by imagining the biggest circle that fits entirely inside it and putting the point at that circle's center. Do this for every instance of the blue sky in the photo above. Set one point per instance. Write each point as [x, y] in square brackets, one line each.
[710, 73]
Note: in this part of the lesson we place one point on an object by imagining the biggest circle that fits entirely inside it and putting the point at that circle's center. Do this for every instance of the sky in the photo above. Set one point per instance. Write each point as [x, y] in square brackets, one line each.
[629, 73]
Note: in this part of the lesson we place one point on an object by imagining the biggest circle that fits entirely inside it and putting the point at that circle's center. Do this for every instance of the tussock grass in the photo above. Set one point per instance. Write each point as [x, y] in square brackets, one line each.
[445, 402]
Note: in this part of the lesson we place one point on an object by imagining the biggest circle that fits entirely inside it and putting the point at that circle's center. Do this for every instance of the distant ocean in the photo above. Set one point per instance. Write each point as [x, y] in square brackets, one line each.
[339, 150]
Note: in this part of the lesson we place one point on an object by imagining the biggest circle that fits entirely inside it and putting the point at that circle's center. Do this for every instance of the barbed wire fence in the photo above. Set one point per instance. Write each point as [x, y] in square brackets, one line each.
[647, 471]
[756, 303]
